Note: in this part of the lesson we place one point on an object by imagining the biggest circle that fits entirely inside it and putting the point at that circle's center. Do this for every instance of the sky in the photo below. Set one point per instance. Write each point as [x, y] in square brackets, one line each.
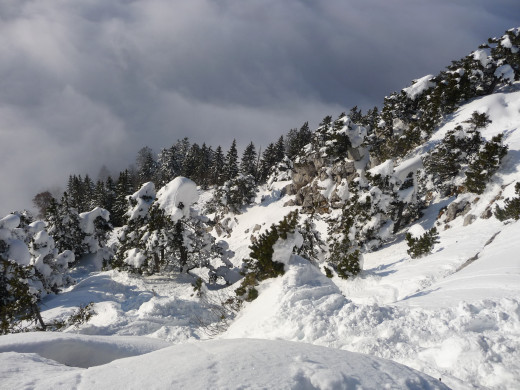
[88, 83]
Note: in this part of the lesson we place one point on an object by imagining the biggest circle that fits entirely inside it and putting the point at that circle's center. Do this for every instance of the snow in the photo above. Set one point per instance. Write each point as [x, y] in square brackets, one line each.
[357, 135]
[219, 364]
[19, 252]
[176, 197]
[10, 221]
[384, 169]
[416, 231]
[79, 350]
[482, 56]
[87, 219]
[419, 86]
[505, 72]
[282, 249]
[135, 258]
[143, 199]
[407, 166]
[453, 314]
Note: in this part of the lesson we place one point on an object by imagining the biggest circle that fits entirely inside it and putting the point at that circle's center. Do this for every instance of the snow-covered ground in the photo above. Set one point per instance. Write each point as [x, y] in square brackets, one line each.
[454, 314]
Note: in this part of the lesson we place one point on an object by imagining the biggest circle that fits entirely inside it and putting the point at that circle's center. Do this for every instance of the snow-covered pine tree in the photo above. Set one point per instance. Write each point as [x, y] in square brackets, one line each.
[30, 267]
[217, 167]
[167, 166]
[296, 140]
[248, 162]
[511, 208]
[124, 187]
[279, 149]
[261, 265]
[313, 248]
[344, 247]
[485, 165]
[449, 157]
[166, 234]
[231, 162]
[203, 171]
[267, 163]
[422, 245]
[146, 165]
[63, 225]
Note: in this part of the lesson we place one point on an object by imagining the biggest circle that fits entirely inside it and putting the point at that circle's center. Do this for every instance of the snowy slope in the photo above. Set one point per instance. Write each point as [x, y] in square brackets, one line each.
[454, 314]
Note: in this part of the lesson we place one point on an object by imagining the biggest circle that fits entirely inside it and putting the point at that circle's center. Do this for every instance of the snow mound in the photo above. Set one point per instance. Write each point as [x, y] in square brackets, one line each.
[230, 364]
[142, 199]
[176, 197]
[79, 350]
[87, 219]
[10, 221]
[419, 86]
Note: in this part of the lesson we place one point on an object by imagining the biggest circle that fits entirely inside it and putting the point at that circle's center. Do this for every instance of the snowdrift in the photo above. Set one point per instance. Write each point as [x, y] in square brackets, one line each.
[216, 364]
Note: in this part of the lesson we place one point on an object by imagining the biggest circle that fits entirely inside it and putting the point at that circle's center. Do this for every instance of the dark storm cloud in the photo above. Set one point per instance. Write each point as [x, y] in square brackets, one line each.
[87, 83]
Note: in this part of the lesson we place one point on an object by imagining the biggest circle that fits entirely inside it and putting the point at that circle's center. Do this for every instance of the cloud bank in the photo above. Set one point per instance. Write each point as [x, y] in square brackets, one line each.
[90, 82]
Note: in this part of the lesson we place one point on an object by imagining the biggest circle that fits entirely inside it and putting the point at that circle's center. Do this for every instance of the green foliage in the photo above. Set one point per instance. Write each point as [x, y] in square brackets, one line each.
[345, 235]
[421, 246]
[313, 246]
[197, 287]
[232, 196]
[18, 304]
[328, 272]
[81, 316]
[349, 264]
[485, 165]
[261, 265]
[449, 157]
[296, 140]
[512, 207]
[479, 120]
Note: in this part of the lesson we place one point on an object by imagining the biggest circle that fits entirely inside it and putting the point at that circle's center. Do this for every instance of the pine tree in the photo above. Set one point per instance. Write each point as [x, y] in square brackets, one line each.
[456, 150]
[345, 235]
[203, 171]
[180, 150]
[168, 165]
[88, 194]
[296, 140]
[261, 265]
[355, 115]
[123, 189]
[485, 165]
[217, 167]
[267, 163]
[231, 162]
[77, 195]
[279, 150]
[18, 303]
[64, 227]
[192, 162]
[421, 246]
[146, 165]
[248, 163]
[313, 246]
[512, 207]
